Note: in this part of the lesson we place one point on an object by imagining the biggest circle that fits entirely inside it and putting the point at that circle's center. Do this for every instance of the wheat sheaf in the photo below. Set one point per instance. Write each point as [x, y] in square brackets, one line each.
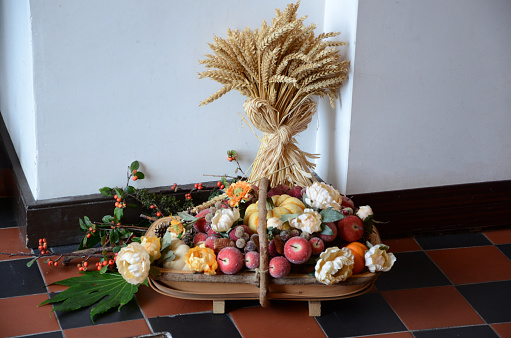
[279, 67]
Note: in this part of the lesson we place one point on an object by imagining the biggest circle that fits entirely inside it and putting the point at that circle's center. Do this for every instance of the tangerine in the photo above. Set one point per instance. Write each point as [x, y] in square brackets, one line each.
[358, 250]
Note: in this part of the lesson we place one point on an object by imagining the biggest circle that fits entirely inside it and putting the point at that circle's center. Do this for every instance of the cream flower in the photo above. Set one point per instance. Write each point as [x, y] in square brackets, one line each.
[378, 259]
[274, 222]
[224, 219]
[334, 265]
[322, 196]
[364, 212]
[152, 245]
[133, 263]
[309, 221]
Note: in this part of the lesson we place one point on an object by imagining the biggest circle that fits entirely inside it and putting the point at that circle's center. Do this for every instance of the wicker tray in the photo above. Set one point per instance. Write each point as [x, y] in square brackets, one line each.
[258, 284]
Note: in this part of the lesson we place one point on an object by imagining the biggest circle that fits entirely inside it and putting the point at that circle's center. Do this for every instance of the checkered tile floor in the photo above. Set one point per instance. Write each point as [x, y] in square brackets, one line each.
[441, 286]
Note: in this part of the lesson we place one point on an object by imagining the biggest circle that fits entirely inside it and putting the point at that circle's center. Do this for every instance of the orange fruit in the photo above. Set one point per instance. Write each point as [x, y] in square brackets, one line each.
[358, 250]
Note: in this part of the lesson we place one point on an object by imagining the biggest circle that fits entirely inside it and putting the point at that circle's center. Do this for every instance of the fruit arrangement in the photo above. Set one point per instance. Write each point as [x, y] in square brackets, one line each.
[309, 232]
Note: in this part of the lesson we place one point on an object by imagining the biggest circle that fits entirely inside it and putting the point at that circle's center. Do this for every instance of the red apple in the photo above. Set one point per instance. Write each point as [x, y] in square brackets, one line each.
[350, 228]
[199, 237]
[230, 260]
[210, 241]
[297, 250]
[201, 223]
[252, 259]
[329, 238]
[347, 202]
[317, 245]
[279, 267]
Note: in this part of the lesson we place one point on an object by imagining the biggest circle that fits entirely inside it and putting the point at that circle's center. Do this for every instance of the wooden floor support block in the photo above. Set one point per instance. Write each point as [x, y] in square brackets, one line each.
[219, 306]
[314, 308]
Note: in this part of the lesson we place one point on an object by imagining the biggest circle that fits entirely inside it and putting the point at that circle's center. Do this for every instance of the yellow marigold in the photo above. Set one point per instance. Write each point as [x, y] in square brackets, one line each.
[176, 227]
[237, 192]
[201, 259]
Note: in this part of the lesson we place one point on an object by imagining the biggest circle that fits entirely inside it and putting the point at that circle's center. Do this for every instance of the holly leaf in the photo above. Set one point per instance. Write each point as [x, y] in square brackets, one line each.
[109, 289]
[330, 215]
[134, 165]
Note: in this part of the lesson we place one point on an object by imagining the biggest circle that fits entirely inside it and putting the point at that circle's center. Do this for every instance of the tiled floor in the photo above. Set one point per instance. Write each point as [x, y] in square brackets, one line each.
[444, 286]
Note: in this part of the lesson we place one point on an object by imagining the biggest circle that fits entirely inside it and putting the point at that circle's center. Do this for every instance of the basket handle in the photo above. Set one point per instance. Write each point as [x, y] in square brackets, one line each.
[263, 244]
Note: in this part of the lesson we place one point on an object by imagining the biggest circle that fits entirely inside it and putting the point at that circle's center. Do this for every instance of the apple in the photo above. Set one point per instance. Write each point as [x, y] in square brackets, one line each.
[199, 237]
[329, 238]
[252, 259]
[297, 192]
[278, 190]
[210, 241]
[317, 245]
[279, 267]
[347, 202]
[297, 250]
[201, 223]
[230, 260]
[350, 228]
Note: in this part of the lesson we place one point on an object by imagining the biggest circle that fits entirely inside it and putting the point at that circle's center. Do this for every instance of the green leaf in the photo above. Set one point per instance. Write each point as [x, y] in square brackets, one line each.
[187, 217]
[330, 215]
[114, 236]
[108, 219]
[129, 189]
[325, 230]
[103, 269]
[136, 239]
[29, 264]
[166, 240]
[132, 206]
[287, 217]
[166, 255]
[118, 213]
[88, 223]
[134, 165]
[109, 289]
[140, 175]
[82, 225]
[106, 191]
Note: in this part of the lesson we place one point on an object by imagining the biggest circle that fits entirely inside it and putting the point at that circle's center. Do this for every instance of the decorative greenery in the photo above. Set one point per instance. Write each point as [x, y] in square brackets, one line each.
[109, 289]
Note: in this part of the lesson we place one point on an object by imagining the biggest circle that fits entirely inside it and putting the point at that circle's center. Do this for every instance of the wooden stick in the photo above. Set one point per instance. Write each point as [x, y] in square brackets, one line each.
[263, 244]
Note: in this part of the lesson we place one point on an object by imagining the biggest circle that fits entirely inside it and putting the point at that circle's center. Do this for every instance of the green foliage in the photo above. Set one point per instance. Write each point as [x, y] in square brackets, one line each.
[329, 215]
[109, 289]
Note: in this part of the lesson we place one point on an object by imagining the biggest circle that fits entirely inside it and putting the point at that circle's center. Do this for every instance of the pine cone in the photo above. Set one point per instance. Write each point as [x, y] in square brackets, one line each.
[188, 236]
[160, 229]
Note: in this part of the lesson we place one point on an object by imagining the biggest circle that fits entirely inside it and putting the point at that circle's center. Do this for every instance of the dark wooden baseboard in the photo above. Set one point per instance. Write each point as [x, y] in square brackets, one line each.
[444, 209]
[432, 210]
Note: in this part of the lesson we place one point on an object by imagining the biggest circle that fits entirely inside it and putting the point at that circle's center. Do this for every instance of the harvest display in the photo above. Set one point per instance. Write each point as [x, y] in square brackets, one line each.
[277, 234]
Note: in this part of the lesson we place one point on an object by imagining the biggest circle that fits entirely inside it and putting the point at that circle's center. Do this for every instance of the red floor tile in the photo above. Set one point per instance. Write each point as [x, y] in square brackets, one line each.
[10, 242]
[428, 308]
[402, 244]
[53, 274]
[154, 304]
[291, 320]
[121, 329]
[502, 236]
[472, 265]
[503, 330]
[21, 316]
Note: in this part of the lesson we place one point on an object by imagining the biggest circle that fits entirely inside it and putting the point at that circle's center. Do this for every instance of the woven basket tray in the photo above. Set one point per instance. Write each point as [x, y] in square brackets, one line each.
[259, 285]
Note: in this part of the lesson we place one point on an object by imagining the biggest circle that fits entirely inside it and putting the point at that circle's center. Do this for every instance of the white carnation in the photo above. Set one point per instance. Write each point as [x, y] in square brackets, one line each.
[378, 259]
[224, 219]
[323, 196]
[309, 221]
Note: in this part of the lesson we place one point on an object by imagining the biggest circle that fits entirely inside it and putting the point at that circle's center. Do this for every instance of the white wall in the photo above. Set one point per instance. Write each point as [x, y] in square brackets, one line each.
[16, 85]
[432, 94]
[117, 81]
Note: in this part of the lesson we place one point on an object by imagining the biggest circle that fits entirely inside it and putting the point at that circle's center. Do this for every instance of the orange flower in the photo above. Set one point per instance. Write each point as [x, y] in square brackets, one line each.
[201, 259]
[237, 192]
[176, 228]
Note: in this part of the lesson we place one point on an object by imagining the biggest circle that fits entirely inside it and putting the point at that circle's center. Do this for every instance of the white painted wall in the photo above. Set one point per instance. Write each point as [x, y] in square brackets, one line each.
[16, 86]
[117, 81]
[432, 94]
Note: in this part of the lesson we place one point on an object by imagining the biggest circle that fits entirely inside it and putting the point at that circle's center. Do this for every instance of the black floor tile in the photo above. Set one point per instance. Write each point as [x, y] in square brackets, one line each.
[17, 279]
[479, 331]
[7, 217]
[506, 249]
[351, 317]
[54, 334]
[232, 305]
[490, 300]
[452, 241]
[411, 270]
[80, 318]
[196, 325]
